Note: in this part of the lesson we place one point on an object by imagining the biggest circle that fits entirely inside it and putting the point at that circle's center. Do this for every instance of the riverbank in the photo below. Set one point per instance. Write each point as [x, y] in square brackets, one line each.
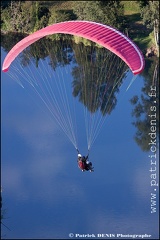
[133, 26]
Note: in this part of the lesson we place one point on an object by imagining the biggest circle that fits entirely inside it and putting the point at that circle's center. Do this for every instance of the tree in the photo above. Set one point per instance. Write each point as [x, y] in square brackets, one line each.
[16, 17]
[41, 15]
[60, 15]
[113, 12]
[105, 12]
[150, 17]
[24, 16]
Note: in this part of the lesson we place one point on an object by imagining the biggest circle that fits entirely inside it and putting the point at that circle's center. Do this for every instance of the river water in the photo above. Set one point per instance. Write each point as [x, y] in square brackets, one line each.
[46, 196]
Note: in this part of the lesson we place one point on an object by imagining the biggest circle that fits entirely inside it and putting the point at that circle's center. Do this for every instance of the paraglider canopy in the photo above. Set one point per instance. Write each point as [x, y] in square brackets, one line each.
[97, 73]
[104, 35]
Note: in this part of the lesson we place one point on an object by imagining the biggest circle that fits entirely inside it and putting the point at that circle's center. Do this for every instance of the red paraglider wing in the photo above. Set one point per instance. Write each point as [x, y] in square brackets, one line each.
[106, 36]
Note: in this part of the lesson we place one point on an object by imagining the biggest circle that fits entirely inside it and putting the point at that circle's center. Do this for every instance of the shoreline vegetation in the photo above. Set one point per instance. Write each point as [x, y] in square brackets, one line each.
[126, 16]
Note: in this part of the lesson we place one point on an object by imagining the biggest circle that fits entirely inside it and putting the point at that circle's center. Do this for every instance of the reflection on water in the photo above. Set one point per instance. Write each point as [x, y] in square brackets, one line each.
[71, 74]
[95, 78]
[45, 193]
[146, 110]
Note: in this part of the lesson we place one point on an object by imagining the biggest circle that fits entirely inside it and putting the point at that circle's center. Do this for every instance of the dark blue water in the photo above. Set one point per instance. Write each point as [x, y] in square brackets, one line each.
[46, 196]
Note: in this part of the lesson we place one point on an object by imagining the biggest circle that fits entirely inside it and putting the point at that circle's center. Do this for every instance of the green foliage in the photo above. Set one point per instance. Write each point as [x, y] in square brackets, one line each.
[18, 17]
[29, 16]
[24, 16]
[150, 13]
[60, 16]
[5, 20]
[106, 12]
[41, 16]
[87, 11]
[150, 16]
[79, 40]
